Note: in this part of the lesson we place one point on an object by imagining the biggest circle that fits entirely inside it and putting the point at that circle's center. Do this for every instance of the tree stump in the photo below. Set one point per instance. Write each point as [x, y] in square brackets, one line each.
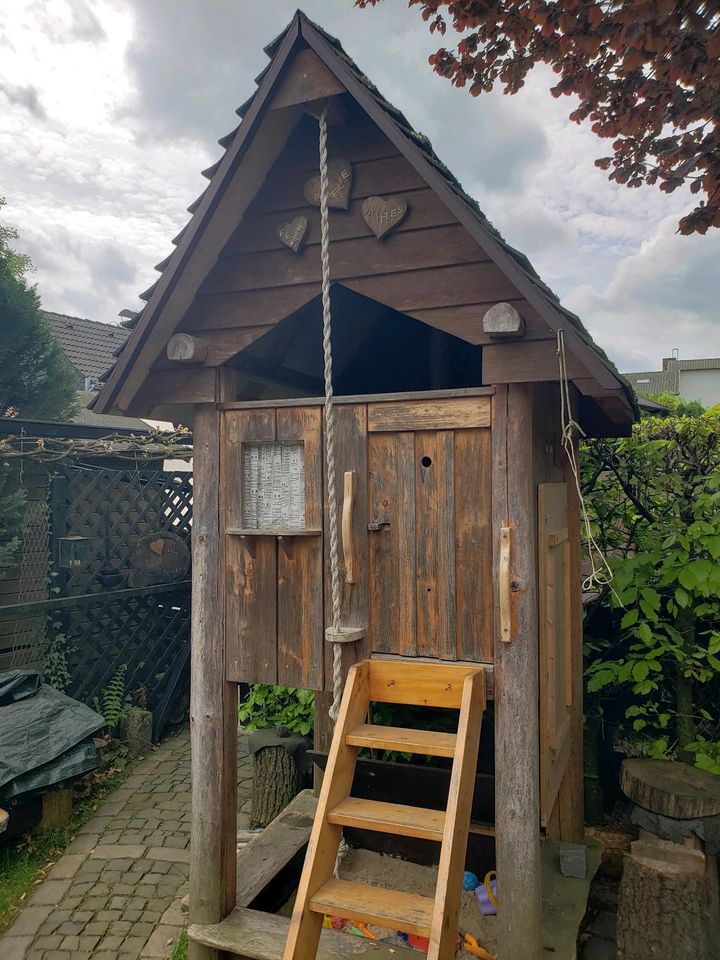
[664, 898]
[276, 780]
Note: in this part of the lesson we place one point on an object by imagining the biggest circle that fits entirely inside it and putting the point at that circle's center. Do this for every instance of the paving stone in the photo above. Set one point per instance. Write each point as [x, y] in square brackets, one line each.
[132, 914]
[83, 844]
[51, 942]
[97, 927]
[179, 842]
[71, 927]
[82, 916]
[112, 942]
[133, 945]
[108, 915]
[50, 893]
[120, 928]
[83, 887]
[56, 918]
[145, 891]
[67, 866]
[15, 948]
[95, 903]
[118, 903]
[96, 825]
[71, 943]
[165, 853]
[118, 851]
[29, 921]
[71, 901]
[157, 947]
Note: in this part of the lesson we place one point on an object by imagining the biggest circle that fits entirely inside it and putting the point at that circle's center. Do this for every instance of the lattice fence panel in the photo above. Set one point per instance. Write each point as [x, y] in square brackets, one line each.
[114, 509]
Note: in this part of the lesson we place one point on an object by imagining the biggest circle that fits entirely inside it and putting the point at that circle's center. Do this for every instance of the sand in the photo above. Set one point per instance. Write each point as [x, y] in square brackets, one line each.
[392, 873]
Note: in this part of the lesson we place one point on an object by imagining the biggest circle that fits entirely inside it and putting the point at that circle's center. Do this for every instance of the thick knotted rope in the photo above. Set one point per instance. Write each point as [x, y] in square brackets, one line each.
[329, 416]
[330, 439]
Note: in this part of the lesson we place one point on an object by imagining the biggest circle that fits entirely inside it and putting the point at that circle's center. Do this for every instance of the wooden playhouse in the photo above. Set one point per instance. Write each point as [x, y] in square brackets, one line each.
[454, 370]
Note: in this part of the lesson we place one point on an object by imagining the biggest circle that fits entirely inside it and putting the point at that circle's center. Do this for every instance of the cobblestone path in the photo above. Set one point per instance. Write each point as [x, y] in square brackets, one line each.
[115, 893]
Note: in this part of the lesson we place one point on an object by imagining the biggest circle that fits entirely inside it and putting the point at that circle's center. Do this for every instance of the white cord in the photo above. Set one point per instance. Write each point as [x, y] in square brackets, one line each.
[600, 573]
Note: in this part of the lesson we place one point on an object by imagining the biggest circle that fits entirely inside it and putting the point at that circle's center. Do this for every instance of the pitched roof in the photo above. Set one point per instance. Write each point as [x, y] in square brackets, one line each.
[419, 151]
[653, 381]
[667, 380]
[90, 346]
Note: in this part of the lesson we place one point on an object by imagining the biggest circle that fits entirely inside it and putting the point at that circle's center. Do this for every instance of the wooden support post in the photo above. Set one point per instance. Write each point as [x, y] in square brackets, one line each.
[517, 791]
[213, 700]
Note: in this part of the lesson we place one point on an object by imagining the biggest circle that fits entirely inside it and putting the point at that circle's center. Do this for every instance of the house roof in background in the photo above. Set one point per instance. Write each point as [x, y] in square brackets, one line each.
[88, 345]
[107, 421]
[667, 380]
[653, 381]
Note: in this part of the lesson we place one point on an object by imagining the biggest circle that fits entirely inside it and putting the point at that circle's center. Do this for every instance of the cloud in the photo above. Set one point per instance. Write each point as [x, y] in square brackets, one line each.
[26, 96]
[114, 108]
[662, 296]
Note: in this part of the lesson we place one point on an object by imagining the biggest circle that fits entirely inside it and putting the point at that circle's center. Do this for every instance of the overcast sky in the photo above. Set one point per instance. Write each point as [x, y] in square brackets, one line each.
[109, 110]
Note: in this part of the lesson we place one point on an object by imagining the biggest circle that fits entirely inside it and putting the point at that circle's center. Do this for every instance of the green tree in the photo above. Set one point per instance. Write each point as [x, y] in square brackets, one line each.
[653, 639]
[35, 380]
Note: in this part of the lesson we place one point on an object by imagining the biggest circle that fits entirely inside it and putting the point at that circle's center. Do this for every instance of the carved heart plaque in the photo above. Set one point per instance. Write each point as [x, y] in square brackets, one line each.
[339, 184]
[292, 233]
[382, 215]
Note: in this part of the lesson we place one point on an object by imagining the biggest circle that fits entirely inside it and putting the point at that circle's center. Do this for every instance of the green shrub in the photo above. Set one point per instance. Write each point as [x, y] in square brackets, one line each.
[653, 640]
[273, 706]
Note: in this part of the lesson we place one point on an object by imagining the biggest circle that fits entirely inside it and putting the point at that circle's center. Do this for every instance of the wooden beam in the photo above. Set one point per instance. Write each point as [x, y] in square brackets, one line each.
[184, 348]
[213, 700]
[526, 362]
[503, 320]
[176, 386]
[517, 791]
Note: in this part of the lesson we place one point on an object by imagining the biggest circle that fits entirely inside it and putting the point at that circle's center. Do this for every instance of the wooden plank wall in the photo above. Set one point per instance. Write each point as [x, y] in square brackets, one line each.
[274, 586]
[431, 560]
[551, 465]
[428, 267]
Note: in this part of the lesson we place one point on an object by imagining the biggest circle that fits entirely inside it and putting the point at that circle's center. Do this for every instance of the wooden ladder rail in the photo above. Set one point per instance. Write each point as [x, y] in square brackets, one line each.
[433, 685]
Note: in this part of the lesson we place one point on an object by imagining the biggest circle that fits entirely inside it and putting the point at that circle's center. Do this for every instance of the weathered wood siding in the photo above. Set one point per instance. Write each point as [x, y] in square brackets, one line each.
[428, 267]
[420, 528]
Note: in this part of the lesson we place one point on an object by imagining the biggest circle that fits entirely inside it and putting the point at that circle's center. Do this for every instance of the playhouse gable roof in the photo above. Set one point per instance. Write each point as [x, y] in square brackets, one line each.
[308, 65]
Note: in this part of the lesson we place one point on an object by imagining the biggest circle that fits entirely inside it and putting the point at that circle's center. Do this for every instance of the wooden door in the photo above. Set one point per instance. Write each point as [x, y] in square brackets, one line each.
[556, 680]
[430, 552]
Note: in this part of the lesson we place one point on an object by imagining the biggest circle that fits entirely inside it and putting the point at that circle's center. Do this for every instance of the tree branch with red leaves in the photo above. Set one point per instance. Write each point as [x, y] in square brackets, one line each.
[646, 73]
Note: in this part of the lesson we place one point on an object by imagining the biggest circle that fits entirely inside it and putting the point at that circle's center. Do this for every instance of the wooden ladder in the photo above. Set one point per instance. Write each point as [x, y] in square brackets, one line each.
[460, 687]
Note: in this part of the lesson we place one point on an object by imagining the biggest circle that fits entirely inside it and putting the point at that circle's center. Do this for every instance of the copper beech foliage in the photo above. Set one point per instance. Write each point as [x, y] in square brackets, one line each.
[646, 73]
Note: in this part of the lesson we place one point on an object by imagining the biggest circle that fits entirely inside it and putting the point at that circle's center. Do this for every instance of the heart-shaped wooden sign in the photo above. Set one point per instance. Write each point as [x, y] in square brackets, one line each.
[382, 215]
[339, 184]
[292, 233]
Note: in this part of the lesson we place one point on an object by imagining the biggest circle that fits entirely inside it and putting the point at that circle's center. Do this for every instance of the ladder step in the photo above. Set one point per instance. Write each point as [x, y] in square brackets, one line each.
[405, 740]
[408, 912]
[396, 818]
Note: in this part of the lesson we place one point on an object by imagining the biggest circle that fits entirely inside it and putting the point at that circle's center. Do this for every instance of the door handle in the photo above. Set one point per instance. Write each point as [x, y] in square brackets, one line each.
[349, 490]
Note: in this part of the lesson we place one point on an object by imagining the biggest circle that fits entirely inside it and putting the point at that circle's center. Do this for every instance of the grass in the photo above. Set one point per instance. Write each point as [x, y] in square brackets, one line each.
[180, 947]
[26, 863]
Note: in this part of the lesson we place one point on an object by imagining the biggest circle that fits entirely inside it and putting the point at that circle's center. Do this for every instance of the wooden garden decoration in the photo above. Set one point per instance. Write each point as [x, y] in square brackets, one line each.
[457, 522]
